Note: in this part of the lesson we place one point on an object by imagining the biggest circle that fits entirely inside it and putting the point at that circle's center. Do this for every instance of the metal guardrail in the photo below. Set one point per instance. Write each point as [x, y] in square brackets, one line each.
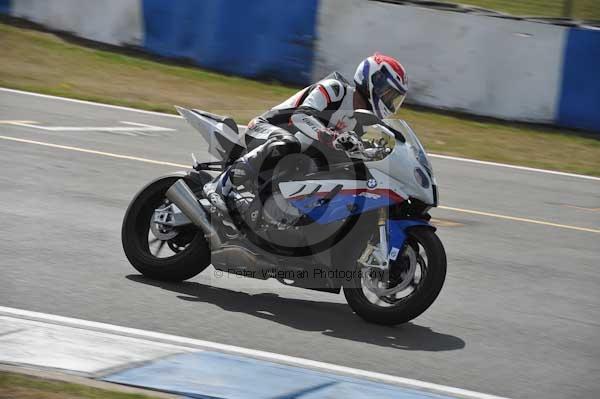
[562, 12]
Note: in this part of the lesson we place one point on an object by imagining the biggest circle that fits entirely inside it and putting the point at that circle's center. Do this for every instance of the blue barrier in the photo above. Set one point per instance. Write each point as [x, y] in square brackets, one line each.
[579, 105]
[4, 6]
[265, 39]
[275, 39]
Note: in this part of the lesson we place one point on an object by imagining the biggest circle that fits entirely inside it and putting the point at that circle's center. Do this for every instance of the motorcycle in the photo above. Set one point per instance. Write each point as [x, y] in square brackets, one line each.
[358, 223]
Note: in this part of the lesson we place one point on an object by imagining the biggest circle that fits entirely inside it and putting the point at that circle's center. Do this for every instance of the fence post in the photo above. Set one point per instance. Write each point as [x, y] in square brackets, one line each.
[568, 9]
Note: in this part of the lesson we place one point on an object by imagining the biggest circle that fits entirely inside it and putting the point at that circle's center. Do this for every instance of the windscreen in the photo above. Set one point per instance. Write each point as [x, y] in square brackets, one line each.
[412, 141]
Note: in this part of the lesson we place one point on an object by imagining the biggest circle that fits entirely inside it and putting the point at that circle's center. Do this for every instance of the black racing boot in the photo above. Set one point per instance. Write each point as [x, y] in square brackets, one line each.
[242, 186]
[223, 191]
[246, 172]
[213, 191]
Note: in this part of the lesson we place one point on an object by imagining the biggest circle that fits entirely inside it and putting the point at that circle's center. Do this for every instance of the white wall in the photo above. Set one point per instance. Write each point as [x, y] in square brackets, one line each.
[482, 65]
[109, 21]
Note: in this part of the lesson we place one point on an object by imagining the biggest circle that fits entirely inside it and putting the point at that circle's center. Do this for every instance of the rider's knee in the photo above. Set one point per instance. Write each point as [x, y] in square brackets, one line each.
[283, 145]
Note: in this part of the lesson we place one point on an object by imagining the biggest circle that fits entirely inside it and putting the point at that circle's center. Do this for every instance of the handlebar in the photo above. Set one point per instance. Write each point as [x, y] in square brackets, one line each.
[370, 154]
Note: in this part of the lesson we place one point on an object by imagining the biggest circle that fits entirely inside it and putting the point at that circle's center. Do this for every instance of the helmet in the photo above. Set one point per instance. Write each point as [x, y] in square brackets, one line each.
[382, 80]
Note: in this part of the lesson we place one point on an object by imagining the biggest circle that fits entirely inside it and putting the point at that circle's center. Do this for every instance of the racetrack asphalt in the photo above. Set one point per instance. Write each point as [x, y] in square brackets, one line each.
[519, 315]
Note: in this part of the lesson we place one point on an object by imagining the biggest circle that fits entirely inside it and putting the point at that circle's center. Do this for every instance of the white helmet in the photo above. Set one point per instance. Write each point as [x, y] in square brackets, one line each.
[382, 80]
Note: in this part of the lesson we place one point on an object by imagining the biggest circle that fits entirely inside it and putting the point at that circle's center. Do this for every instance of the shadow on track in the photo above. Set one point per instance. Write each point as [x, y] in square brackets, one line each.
[331, 319]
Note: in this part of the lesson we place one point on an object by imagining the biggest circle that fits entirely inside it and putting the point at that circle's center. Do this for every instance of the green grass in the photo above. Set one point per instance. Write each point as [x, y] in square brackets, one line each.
[45, 63]
[581, 9]
[19, 386]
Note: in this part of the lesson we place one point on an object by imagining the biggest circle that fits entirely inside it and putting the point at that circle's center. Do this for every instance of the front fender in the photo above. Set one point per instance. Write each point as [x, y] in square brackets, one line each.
[397, 231]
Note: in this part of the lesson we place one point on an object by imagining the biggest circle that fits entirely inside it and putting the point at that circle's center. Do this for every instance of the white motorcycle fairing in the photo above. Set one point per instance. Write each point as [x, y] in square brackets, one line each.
[221, 133]
[404, 173]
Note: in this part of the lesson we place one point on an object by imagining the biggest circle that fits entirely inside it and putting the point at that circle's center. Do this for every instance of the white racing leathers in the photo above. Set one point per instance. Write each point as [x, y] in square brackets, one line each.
[307, 122]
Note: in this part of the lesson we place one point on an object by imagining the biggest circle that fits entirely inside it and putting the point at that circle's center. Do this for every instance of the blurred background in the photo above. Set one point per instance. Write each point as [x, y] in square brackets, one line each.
[488, 79]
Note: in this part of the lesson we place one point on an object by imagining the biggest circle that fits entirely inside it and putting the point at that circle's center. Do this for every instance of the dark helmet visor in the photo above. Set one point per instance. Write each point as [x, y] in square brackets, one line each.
[383, 88]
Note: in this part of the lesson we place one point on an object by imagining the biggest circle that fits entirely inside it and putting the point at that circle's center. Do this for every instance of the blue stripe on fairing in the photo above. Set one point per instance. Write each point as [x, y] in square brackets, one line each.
[340, 207]
[579, 104]
[5, 6]
[218, 375]
[270, 39]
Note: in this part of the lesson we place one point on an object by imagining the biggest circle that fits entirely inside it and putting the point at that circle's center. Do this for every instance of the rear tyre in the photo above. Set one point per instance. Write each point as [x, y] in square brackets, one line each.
[189, 248]
[388, 311]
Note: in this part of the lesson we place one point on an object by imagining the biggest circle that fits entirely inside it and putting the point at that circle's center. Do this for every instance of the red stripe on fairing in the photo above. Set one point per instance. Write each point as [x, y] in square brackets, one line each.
[384, 192]
[322, 90]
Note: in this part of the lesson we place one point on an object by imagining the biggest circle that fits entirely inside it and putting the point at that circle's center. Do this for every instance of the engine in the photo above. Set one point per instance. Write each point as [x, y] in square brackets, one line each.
[277, 211]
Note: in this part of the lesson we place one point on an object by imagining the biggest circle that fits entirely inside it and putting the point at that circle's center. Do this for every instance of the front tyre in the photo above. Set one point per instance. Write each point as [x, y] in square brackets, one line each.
[156, 250]
[418, 275]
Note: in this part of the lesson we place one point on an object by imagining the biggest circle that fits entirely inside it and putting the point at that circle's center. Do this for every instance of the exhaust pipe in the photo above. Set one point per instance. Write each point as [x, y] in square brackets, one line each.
[181, 195]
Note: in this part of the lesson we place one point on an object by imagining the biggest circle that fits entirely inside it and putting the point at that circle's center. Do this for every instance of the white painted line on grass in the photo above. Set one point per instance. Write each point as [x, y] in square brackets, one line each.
[146, 160]
[459, 159]
[263, 355]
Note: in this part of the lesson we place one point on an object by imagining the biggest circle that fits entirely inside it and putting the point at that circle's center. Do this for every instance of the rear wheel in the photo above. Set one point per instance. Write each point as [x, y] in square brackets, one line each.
[409, 288]
[160, 250]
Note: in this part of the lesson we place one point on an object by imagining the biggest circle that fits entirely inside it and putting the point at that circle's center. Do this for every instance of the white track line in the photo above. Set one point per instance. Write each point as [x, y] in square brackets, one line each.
[138, 127]
[72, 100]
[152, 161]
[269, 356]
[94, 152]
[447, 157]
[503, 165]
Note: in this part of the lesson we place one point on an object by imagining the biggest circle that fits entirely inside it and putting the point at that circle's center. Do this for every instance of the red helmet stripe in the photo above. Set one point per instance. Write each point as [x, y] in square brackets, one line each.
[396, 66]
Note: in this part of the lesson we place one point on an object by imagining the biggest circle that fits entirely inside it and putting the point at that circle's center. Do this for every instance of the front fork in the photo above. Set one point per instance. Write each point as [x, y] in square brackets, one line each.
[383, 237]
[392, 237]
[375, 260]
[376, 256]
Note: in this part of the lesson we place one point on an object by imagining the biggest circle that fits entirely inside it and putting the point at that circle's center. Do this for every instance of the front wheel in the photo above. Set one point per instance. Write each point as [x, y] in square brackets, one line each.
[411, 285]
[155, 249]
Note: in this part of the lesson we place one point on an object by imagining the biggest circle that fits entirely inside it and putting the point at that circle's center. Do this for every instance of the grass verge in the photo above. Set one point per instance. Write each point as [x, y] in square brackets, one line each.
[580, 9]
[43, 62]
[19, 386]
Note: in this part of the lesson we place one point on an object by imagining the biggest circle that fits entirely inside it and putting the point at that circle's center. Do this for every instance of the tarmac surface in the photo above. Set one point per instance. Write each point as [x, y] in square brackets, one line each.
[519, 315]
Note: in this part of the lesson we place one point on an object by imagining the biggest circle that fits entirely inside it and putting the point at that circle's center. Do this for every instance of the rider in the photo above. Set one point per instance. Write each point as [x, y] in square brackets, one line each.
[317, 119]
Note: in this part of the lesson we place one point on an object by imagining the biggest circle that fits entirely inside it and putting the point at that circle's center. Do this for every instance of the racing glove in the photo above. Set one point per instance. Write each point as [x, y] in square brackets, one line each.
[348, 142]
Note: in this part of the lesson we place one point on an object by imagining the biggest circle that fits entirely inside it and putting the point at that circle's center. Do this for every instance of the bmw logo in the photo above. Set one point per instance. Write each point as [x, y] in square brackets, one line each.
[371, 183]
